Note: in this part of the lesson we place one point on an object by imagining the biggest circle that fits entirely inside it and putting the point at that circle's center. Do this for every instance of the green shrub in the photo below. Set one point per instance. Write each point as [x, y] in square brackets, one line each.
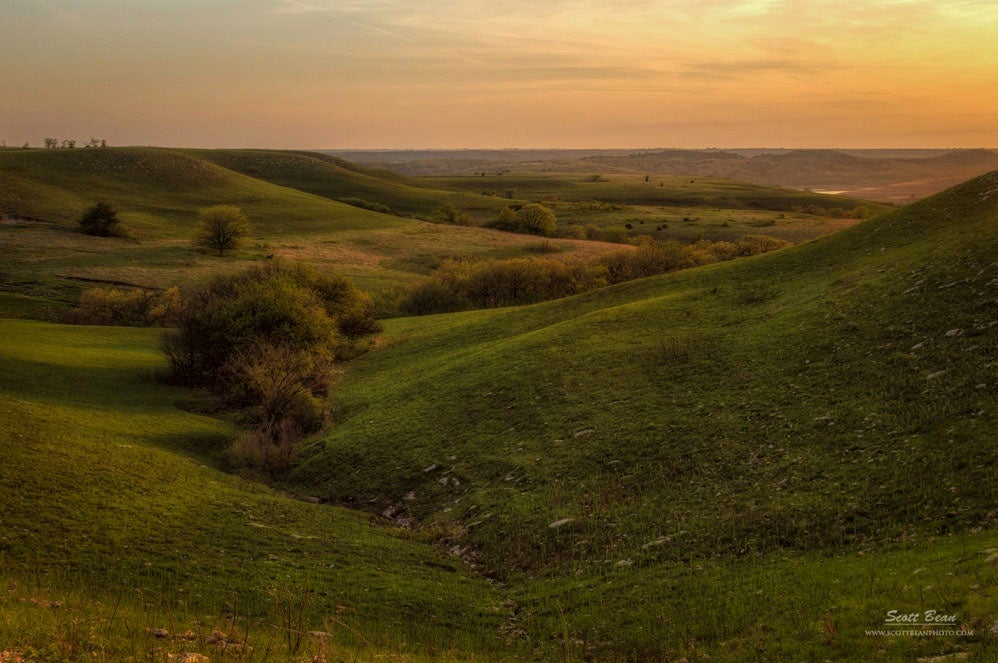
[264, 341]
[460, 284]
[750, 245]
[221, 227]
[277, 304]
[533, 219]
[101, 220]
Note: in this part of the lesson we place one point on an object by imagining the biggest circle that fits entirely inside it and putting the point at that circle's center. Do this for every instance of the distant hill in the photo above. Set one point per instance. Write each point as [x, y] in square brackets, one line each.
[859, 172]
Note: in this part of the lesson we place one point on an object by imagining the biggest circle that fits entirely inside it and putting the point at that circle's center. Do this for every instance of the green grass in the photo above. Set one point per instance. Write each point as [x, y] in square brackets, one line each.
[780, 405]
[752, 460]
[113, 494]
[336, 179]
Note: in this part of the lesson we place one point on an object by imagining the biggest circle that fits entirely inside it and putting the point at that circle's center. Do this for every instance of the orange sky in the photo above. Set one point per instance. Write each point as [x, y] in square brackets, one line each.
[507, 73]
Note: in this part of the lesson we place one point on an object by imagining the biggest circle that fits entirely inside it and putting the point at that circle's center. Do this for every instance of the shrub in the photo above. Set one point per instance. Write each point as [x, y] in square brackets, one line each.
[278, 303]
[128, 308]
[221, 227]
[265, 340]
[533, 219]
[268, 448]
[750, 245]
[460, 284]
[101, 220]
[276, 383]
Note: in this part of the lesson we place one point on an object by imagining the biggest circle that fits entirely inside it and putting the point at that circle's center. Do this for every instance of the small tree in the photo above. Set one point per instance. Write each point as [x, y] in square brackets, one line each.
[221, 227]
[50, 143]
[101, 220]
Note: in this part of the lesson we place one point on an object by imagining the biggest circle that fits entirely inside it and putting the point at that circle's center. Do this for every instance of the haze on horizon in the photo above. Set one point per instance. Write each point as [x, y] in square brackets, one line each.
[508, 73]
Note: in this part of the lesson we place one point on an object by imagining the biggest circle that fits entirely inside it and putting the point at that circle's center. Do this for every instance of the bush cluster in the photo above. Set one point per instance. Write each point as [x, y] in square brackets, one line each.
[532, 219]
[127, 308]
[264, 341]
[459, 285]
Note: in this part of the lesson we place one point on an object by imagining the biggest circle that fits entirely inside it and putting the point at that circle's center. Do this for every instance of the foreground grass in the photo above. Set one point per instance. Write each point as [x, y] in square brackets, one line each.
[828, 399]
[113, 505]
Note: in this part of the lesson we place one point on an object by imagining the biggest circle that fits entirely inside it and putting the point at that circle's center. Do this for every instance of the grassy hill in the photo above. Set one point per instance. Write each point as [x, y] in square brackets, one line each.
[753, 460]
[834, 399]
[117, 518]
[334, 178]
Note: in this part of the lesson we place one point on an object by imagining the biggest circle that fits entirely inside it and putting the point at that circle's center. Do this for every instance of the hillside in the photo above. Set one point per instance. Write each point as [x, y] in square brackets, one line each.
[751, 460]
[835, 399]
[334, 178]
[117, 518]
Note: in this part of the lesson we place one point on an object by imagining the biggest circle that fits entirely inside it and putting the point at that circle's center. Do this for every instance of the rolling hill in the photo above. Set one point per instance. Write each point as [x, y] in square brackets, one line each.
[832, 399]
[336, 179]
[755, 459]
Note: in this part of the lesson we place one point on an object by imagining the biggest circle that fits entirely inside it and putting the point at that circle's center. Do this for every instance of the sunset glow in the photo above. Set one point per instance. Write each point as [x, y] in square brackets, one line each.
[507, 73]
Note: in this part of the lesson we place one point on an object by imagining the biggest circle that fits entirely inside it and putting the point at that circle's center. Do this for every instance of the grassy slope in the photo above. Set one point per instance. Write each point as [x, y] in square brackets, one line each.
[832, 398]
[109, 490]
[159, 191]
[336, 179]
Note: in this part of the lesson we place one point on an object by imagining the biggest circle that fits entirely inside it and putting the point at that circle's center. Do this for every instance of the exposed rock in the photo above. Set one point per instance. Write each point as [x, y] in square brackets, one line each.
[558, 523]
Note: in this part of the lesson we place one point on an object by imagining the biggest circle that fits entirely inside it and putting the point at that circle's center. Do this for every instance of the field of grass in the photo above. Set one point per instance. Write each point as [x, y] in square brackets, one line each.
[831, 400]
[752, 460]
[117, 518]
[336, 179]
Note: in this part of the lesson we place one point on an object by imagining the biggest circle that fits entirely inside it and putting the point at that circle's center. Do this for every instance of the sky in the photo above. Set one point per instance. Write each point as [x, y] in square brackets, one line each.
[507, 73]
